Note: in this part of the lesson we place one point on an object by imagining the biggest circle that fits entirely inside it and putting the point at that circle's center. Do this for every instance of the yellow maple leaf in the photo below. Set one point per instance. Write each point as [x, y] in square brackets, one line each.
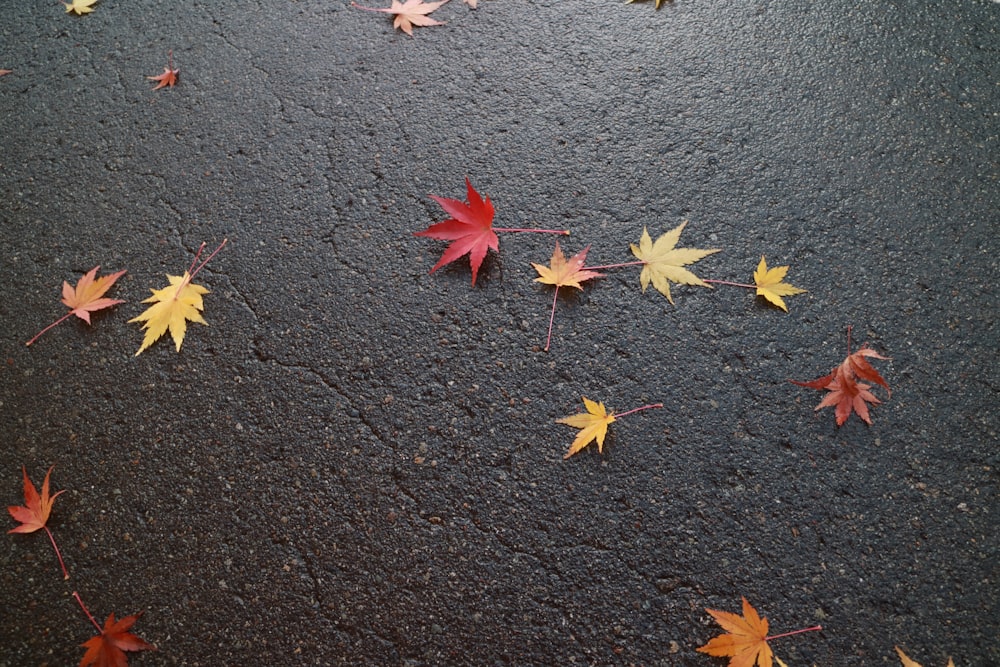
[907, 662]
[629, 2]
[770, 286]
[79, 6]
[663, 263]
[593, 424]
[172, 307]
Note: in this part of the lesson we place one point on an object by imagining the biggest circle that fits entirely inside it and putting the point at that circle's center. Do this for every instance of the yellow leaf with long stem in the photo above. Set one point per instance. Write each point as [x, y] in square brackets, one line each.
[593, 424]
[663, 263]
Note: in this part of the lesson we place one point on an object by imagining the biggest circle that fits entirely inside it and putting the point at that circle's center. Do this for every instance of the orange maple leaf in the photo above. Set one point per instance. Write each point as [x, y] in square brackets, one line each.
[846, 393]
[85, 298]
[746, 641]
[169, 76]
[408, 14]
[563, 273]
[108, 648]
[35, 512]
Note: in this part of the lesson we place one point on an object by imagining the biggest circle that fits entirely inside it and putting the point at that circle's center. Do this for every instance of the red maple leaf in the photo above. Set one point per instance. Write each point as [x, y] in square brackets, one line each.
[846, 393]
[169, 76]
[470, 229]
[108, 648]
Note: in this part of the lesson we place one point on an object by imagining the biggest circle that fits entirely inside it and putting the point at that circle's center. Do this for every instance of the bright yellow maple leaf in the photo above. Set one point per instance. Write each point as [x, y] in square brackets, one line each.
[907, 662]
[172, 307]
[770, 286]
[663, 263]
[80, 6]
[593, 424]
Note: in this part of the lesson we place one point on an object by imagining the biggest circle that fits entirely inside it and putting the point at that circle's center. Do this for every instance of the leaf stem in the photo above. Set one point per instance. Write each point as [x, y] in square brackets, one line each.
[612, 266]
[552, 317]
[564, 232]
[726, 282]
[87, 612]
[58, 555]
[192, 271]
[39, 334]
[793, 632]
[170, 58]
[644, 407]
[849, 327]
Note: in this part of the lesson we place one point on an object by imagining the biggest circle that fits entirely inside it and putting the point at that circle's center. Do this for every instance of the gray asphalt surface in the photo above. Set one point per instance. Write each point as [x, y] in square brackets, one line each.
[358, 463]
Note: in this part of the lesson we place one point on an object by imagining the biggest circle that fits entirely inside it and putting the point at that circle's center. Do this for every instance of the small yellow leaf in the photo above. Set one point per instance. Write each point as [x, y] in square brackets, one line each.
[593, 425]
[79, 6]
[172, 307]
[664, 263]
[770, 286]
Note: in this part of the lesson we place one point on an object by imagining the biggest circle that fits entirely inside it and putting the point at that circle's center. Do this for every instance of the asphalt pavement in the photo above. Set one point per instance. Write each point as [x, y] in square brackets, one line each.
[357, 462]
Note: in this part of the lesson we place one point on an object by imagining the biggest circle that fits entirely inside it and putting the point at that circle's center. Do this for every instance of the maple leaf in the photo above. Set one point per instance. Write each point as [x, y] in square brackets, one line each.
[658, 2]
[169, 76]
[770, 286]
[174, 305]
[663, 263]
[408, 14]
[593, 424]
[907, 662]
[81, 7]
[85, 298]
[563, 273]
[108, 648]
[746, 639]
[846, 393]
[4, 72]
[470, 229]
[35, 512]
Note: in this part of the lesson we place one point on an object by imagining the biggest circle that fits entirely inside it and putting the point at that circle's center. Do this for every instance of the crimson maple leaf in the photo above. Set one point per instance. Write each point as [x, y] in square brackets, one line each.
[470, 229]
[108, 648]
[35, 512]
[846, 393]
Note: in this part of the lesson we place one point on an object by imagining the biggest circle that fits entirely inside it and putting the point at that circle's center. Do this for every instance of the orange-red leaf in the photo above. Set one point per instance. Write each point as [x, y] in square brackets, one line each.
[470, 229]
[108, 648]
[86, 297]
[745, 643]
[169, 76]
[35, 512]
[564, 272]
[848, 395]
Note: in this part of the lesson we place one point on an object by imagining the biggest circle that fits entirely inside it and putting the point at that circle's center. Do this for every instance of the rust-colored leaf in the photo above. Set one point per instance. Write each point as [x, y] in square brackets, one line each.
[108, 648]
[34, 514]
[169, 76]
[847, 394]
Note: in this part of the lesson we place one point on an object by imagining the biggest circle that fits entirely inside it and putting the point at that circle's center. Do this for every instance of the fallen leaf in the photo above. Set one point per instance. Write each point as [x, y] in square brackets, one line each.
[629, 2]
[746, 640]
[408, 14]
[34, 514]
[664, 263]
[593, 425]
[86, 297]
[770, 286]
[470, 229]
[907, 662]
[563, 273]
[4, 72]
[169, 76]
[846, 393]
[108, 648]
[80, 6]
[174, 305]
[471, 3]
